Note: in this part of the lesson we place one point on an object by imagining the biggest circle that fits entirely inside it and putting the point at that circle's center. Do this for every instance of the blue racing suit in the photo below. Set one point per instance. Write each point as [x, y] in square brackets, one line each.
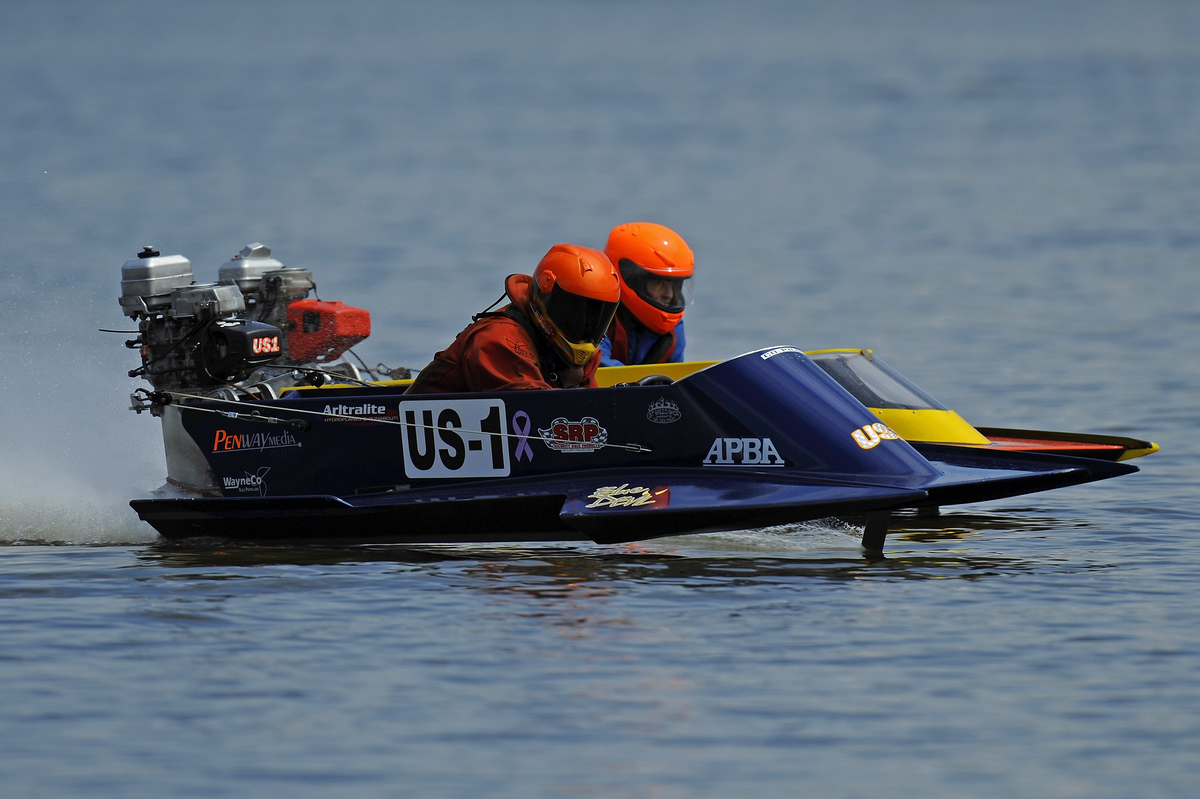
[640, 341]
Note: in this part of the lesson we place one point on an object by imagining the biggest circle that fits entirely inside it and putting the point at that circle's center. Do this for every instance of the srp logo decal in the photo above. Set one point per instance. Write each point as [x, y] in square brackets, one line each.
[586, 435]
[457, 438]
[869, 435]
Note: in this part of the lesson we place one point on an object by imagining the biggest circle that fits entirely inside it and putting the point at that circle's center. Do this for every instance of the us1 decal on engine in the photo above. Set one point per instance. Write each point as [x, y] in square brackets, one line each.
[869, 435]
[265, 345]
[586, 435]
[743, 452]
[455, 438]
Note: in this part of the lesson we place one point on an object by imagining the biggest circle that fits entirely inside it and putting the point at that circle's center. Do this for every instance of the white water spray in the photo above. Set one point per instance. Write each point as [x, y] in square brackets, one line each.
[71, 455]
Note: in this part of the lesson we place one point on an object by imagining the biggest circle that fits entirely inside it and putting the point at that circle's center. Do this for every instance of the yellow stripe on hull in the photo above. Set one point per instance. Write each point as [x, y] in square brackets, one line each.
[1137, 453]
[611, 375]
[934, 426]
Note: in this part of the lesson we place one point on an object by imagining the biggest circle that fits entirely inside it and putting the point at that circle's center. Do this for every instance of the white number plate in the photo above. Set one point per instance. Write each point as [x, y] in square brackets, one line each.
[437, 442]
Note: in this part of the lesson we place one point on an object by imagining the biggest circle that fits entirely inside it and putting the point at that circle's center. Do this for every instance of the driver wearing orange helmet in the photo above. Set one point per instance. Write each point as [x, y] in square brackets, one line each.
[547, 337]
[655, 264]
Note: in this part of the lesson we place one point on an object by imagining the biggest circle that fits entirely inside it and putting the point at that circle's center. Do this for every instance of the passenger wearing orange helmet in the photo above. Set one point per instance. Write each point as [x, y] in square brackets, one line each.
[547, 337]
[654, 264]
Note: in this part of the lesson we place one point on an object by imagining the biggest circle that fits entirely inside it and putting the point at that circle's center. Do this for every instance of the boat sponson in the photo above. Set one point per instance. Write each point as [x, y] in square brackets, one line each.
[722, 500]
[978, 475]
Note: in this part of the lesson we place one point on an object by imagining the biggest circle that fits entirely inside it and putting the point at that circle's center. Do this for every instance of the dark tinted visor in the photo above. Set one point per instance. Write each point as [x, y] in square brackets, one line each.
[581, 320]
[664, 293]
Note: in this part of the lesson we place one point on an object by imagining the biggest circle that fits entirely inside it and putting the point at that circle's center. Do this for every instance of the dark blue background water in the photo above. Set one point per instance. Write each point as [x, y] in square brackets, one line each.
[1002, 199]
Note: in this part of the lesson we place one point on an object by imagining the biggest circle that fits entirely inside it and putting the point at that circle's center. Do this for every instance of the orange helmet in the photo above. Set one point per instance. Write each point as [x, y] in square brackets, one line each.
[574, 295]
[654, 263]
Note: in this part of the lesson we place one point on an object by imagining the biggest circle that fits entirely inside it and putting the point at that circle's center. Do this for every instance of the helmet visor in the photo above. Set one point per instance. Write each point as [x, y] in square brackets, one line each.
[580, 320]
[666, 293]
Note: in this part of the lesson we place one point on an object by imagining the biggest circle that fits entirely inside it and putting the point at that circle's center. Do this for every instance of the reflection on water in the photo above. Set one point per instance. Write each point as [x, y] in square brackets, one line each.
[957, 526]
[555, 572]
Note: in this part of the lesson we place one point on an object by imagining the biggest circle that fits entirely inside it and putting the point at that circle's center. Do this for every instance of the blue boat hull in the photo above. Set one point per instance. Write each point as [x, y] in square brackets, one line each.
[767, 438]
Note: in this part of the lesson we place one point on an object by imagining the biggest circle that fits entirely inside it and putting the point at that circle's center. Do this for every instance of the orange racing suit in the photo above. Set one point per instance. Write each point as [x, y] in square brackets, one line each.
[499, 352]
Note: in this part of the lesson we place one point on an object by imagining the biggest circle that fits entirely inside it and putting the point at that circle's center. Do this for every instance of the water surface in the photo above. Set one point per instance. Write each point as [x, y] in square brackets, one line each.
[1001, 199]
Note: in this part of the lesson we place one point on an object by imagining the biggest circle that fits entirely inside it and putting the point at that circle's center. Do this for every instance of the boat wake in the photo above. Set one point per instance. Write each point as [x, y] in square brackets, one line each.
[71, 520]
[823, 535]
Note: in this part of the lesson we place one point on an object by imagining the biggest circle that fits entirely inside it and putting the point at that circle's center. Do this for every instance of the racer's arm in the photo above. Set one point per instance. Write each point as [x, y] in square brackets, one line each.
[606, 358]
[589, 370]
[501, 357]
[677, 355]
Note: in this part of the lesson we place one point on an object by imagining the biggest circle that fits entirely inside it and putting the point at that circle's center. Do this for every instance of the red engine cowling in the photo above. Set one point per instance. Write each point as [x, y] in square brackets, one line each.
[321, 331]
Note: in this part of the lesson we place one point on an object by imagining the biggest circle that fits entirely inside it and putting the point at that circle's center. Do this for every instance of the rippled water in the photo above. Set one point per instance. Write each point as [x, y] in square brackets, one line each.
[1002, 199]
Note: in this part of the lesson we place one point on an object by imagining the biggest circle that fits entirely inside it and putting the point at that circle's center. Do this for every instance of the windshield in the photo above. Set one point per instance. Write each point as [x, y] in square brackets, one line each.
[873, 382]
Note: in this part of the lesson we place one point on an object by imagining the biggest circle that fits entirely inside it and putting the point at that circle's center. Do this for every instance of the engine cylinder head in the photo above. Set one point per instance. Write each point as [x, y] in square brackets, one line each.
[247, 268]
[148, 281]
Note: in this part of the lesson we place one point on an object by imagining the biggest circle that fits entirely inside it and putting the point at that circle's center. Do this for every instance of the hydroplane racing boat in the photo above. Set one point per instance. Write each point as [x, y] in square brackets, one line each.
[267, 439]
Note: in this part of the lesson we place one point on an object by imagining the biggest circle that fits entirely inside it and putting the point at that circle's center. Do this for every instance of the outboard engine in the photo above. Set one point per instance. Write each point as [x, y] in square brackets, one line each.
[227, 341]
[204, 336]
[191, 336]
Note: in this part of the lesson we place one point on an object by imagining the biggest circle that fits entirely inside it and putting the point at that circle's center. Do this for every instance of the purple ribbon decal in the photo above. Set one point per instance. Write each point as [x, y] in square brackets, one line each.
[523, 448]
